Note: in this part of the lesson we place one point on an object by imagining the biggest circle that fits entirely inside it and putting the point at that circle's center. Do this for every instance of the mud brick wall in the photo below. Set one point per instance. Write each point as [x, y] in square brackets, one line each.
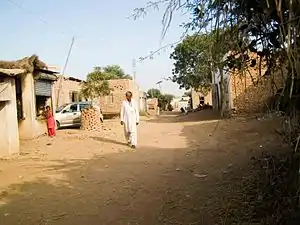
[111, 104]
[251, 90]
[67, 86]
[152, 106]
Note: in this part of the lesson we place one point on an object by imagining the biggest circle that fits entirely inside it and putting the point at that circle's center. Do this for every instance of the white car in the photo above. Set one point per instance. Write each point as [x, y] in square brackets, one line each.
[69, 115]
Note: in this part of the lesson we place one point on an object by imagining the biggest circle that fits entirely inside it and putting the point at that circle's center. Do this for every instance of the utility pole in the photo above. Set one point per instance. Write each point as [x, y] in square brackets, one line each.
[63, 72]
[159, 85]
[134, 69]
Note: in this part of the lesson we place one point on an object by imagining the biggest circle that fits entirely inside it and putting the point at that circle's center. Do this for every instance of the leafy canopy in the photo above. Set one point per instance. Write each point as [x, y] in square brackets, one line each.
[163, 100]
[110, 72]
[193, 63]
[154, 93]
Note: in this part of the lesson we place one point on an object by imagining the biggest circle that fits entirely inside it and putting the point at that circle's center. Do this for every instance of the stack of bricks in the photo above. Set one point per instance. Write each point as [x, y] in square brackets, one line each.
[90, 120]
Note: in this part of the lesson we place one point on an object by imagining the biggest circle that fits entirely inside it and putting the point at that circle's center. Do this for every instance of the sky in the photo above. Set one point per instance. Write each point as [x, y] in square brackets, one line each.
[104, 35]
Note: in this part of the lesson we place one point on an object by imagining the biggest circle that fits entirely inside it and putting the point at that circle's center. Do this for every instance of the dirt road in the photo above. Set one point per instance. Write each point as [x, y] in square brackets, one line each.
[186, 170]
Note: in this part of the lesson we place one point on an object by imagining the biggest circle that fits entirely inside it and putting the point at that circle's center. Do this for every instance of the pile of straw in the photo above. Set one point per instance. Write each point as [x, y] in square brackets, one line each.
[30, 64]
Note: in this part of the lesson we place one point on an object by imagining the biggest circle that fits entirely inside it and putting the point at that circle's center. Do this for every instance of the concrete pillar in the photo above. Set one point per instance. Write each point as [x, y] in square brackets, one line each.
[27, 128]
[9, 138]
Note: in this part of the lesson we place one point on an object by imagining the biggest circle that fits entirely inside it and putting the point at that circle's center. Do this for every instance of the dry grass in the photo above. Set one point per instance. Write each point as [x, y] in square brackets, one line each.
[28, 63]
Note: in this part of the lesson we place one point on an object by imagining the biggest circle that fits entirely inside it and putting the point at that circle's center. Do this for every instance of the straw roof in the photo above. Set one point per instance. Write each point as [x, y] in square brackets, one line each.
[27, 64]
[12, 72]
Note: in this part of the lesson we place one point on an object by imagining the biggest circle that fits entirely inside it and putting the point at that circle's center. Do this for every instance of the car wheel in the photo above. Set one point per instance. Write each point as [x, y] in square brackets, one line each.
[57, 125]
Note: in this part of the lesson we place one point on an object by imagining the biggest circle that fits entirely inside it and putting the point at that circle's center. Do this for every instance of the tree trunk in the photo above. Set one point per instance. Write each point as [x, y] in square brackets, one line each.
[222, 91]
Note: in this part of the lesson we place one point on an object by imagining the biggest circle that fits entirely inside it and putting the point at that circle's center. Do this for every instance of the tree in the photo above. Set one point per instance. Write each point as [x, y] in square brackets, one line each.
[193, 63]
[163, 100]
[96, 85]
[110, 72]
[168, 99]
[154, 93]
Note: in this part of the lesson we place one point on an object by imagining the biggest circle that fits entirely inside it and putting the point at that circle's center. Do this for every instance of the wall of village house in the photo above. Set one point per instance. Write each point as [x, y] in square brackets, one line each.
[30, 126]
[250, 90]
[111, 104]
[67, 86]
[152, 106]
[196, 98]
[9, 138]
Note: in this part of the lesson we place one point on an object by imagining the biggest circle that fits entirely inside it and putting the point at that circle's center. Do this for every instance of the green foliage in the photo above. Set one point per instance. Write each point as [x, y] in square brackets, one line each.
[187, 93]
[163, 100]
[192, 62]
[154, 93]
[170, 107]
[110, 72]
[168, 97]
[94, 89]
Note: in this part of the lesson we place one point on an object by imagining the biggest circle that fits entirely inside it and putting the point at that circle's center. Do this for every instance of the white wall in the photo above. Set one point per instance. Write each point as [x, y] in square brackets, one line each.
[9, 138]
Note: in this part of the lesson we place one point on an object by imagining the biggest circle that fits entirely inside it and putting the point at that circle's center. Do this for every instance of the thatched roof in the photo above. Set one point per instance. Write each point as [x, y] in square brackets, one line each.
[12, 72]
[29, 64]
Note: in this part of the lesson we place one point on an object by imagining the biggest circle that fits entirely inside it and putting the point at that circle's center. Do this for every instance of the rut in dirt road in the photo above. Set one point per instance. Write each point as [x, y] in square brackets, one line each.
[183, 172]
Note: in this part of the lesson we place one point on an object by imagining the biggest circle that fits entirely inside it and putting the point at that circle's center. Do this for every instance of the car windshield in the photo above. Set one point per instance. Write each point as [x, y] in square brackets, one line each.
[60, 108]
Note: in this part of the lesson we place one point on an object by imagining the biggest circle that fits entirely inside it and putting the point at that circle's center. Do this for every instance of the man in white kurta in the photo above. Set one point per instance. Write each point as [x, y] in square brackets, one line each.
[130, 118]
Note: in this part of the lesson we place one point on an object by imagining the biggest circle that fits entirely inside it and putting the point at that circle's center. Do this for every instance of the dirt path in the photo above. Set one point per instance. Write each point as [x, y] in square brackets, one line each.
[185, 171]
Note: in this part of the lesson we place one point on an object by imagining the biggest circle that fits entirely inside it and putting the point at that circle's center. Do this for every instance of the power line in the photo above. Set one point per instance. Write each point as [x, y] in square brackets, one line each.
[29, 12]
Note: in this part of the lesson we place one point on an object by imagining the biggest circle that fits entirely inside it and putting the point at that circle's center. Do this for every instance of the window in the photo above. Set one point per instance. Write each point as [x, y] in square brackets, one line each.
[41, 103]
[73, 108]
[201, 100]
[60, 108]
[43, 90]
[83, 106]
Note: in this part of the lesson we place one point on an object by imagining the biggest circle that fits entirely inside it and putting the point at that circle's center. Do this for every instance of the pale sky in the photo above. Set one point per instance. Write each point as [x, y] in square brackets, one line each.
[103, 36]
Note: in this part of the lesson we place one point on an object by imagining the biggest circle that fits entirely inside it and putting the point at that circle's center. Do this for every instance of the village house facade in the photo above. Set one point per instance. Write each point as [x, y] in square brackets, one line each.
[67, 90]
[23, 97]
[152, 106]
[111, 104]
[198, 98]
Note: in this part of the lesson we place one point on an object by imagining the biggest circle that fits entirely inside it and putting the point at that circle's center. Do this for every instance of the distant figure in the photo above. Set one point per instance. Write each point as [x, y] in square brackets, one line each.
[50, 122]
[130, 119]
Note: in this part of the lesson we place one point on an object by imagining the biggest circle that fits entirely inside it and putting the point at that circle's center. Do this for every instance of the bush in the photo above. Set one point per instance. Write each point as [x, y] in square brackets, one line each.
[170, 107]
[143, 113]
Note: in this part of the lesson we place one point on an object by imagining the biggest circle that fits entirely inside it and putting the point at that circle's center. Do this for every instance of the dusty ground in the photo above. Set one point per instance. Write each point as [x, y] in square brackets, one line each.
[186, 170]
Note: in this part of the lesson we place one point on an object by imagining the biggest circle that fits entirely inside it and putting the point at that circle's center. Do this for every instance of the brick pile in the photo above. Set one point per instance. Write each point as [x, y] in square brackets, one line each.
[90, 120]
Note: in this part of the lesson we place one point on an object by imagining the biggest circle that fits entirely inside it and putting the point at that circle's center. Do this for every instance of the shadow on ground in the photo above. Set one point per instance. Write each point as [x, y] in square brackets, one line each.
[202, 184]
[178, 117]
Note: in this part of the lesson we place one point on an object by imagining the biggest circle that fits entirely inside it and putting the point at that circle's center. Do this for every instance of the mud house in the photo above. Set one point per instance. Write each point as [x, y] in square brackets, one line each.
[25, 89]
[198, 98]
[111, 104]
[67, 90]
[247, 91]
[152, 106]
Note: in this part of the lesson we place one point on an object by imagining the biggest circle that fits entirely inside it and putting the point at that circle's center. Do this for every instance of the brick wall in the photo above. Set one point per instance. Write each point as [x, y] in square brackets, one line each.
[250, 91]
[152, 106]
[111, 104]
